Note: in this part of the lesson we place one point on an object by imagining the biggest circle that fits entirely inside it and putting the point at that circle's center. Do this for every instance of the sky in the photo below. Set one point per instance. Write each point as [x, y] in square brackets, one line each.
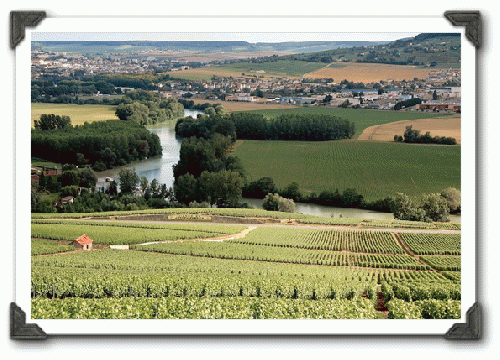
[250, 37]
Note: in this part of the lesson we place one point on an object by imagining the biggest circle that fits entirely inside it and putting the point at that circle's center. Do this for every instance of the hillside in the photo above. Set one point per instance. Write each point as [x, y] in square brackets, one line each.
[195, 46]
[435, 50]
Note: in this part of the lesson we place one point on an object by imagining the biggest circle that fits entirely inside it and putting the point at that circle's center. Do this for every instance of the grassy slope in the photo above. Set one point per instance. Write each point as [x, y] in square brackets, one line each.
[376, 170]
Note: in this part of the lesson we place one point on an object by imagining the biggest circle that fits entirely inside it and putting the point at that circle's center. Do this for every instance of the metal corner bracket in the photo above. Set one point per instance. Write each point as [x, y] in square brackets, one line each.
[18, 22]
[471, 329]
[19, 330]
[472, 22]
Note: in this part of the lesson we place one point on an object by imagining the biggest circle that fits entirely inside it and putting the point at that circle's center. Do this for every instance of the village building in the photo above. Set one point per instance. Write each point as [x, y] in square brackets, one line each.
[83, 242]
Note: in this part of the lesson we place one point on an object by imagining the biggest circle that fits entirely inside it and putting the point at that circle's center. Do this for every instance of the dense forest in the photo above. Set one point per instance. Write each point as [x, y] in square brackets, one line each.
[101, 144]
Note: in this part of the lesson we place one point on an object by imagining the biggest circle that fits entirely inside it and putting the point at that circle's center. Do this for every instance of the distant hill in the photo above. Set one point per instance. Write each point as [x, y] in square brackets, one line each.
[426, 49]
[90, 47]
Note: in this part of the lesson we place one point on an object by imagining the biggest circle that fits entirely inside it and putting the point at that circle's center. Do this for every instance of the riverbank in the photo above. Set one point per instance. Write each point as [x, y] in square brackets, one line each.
[336, 212]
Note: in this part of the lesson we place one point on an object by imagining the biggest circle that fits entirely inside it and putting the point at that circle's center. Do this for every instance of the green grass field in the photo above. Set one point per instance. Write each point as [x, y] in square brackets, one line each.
[78, 113]
[362, 118]
[375, 170]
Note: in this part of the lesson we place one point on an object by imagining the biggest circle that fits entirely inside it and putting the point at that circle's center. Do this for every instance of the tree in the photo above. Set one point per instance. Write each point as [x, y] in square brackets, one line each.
[128, 179]
[435, 207]
[271, 202]
[274, 202]
[70, 177]
[35, 196]
[155, 189]
[210, 111]
[113, 188]
[286, 205]
[453, 198]
[135, 111]
[143, 183]
[221, 188]
[88, 178]
[350, 198]
[292, 192]
[404, 208]
[260, 188]
[185, 189]
[52, 122]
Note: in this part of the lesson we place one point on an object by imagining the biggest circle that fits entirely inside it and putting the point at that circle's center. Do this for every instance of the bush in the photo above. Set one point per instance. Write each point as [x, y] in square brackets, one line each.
[274, 202]
[69, 191]
[99, 166]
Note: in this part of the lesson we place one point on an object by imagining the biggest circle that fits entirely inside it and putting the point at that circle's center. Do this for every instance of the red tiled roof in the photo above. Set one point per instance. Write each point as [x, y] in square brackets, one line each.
[84, 240]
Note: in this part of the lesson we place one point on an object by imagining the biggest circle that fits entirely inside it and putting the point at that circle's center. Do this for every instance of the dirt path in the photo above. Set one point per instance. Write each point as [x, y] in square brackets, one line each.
[411, 253]
[239, 235]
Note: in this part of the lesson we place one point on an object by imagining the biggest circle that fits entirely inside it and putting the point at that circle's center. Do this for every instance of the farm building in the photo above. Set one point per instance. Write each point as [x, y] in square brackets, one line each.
[83, 242]
[438, 106]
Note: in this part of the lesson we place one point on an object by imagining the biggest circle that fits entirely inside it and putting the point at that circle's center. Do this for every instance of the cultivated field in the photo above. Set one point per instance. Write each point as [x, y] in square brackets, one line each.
[203, 74]
[375, 170]
[78, 113]
[290, 68]
[268, 272]
[448, 127]
[366, 73]
[192, 56]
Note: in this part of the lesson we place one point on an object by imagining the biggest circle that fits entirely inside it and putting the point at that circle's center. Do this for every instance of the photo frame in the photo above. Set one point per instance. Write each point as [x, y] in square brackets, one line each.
[469, 22]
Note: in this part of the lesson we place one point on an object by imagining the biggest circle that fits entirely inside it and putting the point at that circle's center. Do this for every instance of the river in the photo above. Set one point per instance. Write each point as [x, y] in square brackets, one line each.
[161, 169]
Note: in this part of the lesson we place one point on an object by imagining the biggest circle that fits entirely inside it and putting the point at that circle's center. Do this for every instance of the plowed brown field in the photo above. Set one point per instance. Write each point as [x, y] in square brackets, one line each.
[449, 127]
[366, 73]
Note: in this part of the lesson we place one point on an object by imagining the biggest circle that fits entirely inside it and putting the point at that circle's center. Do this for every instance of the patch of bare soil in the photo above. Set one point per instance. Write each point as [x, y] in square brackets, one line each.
[448, 127]
[380, 305]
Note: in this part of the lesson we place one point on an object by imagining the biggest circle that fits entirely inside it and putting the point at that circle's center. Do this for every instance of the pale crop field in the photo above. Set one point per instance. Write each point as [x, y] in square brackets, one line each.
[366, 73]
[79, 114]
[448, 127]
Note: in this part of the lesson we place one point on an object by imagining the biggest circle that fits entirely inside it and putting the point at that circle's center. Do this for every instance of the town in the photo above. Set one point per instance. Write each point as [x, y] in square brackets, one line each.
[439, 91]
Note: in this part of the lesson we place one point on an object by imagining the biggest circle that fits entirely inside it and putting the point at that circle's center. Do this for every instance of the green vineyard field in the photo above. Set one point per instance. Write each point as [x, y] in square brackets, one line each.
[270, 272]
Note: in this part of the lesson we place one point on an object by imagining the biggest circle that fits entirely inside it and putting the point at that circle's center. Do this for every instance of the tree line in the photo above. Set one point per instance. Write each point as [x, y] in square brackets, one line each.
[253, 126]
[413, 136]
[429, 207]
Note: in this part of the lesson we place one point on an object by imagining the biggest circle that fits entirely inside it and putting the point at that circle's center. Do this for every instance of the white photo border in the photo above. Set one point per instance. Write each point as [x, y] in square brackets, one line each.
[284, 28]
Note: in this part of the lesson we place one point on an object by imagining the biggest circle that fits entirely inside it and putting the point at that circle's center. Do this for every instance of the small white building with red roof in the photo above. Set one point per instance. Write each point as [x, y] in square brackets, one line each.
[83, 242]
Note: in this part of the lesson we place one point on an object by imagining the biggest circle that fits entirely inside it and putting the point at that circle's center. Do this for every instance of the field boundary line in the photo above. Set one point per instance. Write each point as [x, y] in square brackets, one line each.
[412, 254]
[239, 235]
